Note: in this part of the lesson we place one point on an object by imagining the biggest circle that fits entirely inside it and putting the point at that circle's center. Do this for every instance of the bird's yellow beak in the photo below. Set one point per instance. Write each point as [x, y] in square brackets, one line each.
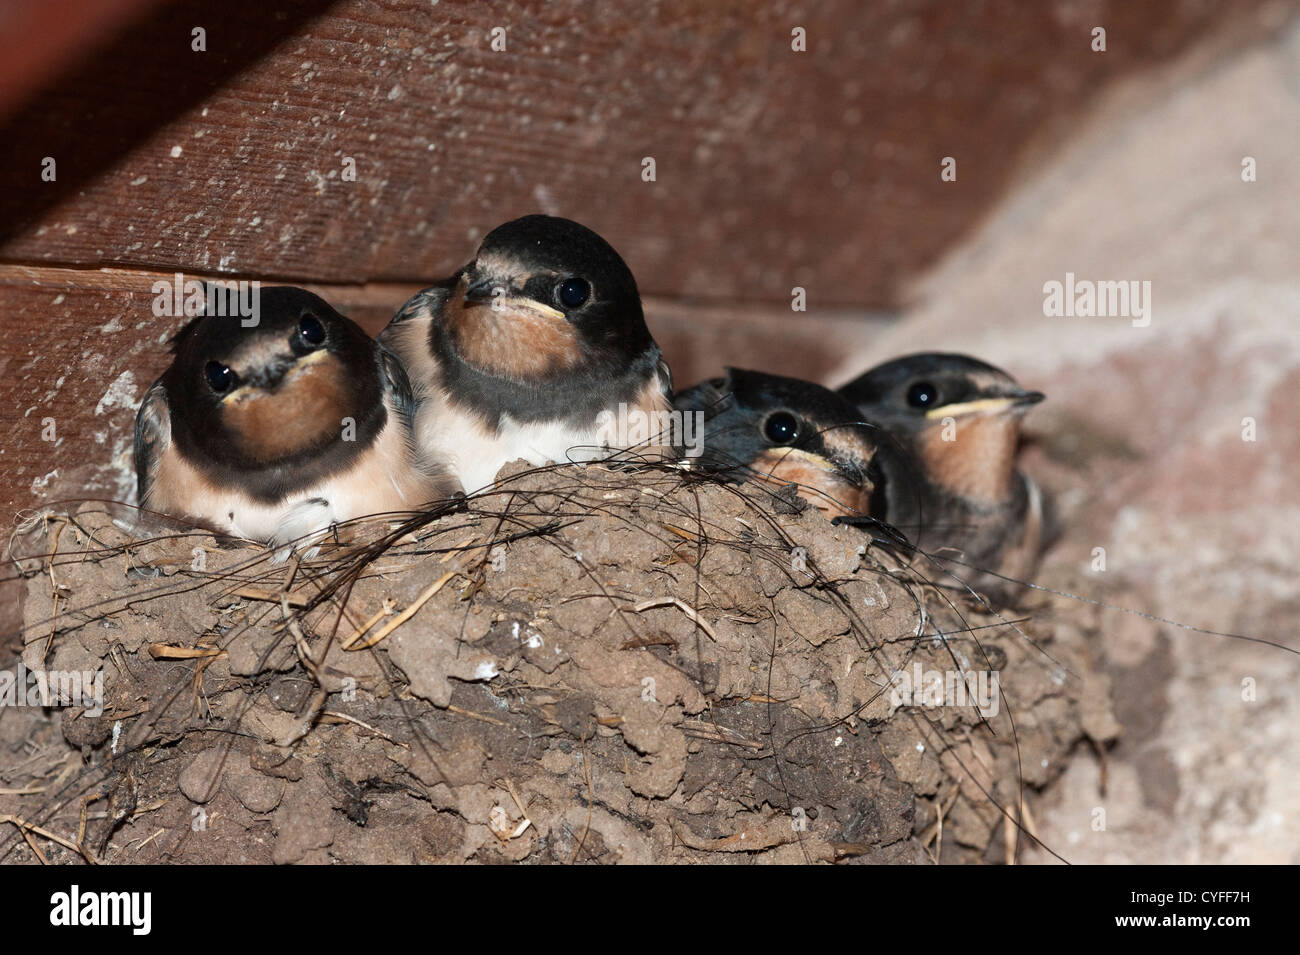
[500, 297]
[307, 361]
[821, 481]
[998, 405]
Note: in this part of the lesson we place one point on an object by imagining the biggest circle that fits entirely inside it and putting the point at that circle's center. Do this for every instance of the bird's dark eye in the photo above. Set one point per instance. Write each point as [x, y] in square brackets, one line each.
[573, 292]
[781, 427]
[310, 330]
[220, 378]
[923, 395]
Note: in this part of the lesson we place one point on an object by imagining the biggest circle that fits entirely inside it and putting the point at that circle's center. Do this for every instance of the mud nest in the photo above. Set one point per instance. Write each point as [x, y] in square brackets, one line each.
[583, 665]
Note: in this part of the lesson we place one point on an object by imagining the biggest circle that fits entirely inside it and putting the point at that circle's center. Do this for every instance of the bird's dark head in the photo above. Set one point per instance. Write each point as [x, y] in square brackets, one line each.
[262, 394]
[786, 431]
[960, 416]
[917, 391]
[545, 296]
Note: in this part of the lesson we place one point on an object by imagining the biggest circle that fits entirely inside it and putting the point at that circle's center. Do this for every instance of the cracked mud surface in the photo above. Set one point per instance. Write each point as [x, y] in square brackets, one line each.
[617, 667]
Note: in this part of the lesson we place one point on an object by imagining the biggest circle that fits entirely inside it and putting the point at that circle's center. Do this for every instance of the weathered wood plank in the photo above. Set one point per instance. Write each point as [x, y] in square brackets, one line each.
[774, 168]
[40, 37]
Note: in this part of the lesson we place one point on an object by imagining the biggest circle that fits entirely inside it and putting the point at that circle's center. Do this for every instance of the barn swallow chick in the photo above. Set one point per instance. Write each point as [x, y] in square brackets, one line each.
[537, 349]
[277, 431]
[953, 484]
[784, 431]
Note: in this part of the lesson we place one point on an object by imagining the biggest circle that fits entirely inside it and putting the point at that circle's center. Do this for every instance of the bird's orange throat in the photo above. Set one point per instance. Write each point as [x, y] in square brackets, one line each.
[973, 456]
[509, 340]
[829, 491]
[306, 411]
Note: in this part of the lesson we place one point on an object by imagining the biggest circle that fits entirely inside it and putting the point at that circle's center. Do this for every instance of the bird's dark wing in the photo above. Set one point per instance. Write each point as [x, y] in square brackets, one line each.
[397, 385]
[424, 302]
[710, 396]
[727, 432]
[665, 378]
[153, 436]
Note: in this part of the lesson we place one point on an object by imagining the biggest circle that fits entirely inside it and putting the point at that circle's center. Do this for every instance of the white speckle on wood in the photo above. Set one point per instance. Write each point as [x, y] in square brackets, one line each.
[41, 483]
[120, 394]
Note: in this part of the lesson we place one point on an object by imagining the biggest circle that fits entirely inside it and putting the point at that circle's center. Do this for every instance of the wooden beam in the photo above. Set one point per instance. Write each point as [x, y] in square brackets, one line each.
[38, 38]
[773, 168]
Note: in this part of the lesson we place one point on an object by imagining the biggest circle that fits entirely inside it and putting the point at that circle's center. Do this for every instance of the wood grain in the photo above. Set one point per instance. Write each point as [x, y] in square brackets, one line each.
[40, 37]
[774, 168]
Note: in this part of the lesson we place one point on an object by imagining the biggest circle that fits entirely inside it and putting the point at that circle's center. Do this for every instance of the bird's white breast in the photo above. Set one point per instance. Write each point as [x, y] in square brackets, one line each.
[475, 453]
[382, 479]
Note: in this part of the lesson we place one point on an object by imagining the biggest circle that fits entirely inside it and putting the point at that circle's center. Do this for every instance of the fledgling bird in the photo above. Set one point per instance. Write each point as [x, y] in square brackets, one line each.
[784, 431]
[953, 483]
[538, 349]
[280, 430]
